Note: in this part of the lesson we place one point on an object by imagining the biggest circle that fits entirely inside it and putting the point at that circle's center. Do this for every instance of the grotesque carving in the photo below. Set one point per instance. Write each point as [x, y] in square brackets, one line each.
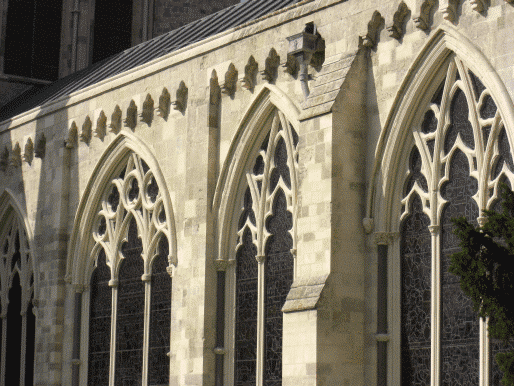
[422, 20]
[71, 141]
[28, 151]
[229, 86]
[163, 110]
[180, 102]
[131, 119]
[371, 38]
[40, 149]
[115, 125]
[270, 66]
[101, 124]
[15, 159]
[147, 113]
[399, 18]
[249, 79]
[449, 9]
[85, 134]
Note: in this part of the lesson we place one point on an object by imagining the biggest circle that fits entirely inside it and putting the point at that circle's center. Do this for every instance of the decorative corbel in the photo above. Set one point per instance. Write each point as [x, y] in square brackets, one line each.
[40, 149]
[214, 100]
[15, 159]
[115, 125]
[101, 124]
[131, 120]
[147, 113]
[229, 86]
[291, 66]
[422, 20]
[223, 265]
[4, 159]
[370, 40]
[396, 29]
[85, 133]
[71, 141]
[249, 79]
[180, 102]
[271, 64]
[384, 238]
[163, 110]
[368, 224]
[449, 9]
[479, 5]
[28, 151]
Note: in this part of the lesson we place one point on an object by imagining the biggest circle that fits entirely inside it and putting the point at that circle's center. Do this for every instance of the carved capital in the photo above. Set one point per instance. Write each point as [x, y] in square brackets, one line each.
[434, 229]
[113, 283]
[384, 238]
[223, 265]
[382, 337]
[146, 277]
[220, 351]
[260, 258]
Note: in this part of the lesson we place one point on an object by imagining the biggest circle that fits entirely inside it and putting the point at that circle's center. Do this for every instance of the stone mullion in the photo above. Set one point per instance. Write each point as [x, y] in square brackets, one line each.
[484, 359]
[435, 351]
[23, 346]
[114, 312]
[261, 288]
[4, 343]
[146, 329]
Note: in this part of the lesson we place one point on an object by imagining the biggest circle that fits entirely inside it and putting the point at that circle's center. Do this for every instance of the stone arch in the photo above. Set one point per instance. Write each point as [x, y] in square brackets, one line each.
[422, 80]
[243, 149]
[11, 210]
[81, 259]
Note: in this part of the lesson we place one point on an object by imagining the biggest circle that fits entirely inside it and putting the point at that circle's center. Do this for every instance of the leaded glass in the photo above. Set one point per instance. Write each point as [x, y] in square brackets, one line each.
[459, 323]
[416, 260]
[13, 341]
[429, 124]
[505, 156]
[281, 169]
[130, 312]
[114, 198]
[247, 210]
[478, 86]
[459, 122]
[415, 164]
[438, 96]
[246, 312]
[152, 190]
[160, 319]
[279, 277]
[99, 323]
[488, 109]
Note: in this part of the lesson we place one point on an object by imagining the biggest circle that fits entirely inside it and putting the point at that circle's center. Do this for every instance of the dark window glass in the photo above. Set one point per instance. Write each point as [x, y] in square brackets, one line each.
[14, 325]
[459, 123]
[415, 164]
[505, 156]
[278, 278]
[488, 109]
[281, 169]
[246, 312]
[429, 124]
[33, 35]
[112, 28]
[459, 324]
[130, 312]
[160, 319]
[99, 323]
[30, 346]
[478, 87]
[416, 262]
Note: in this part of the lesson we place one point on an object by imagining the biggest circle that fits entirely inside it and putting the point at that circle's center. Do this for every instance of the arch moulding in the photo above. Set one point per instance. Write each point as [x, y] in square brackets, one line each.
[243, 149]
[79, 265]
[445, 41]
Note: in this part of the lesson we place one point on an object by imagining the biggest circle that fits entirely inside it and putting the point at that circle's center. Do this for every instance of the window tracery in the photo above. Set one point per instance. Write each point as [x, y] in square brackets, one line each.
[264, 256]
[130, 293]
[459, 155]
[16, 295]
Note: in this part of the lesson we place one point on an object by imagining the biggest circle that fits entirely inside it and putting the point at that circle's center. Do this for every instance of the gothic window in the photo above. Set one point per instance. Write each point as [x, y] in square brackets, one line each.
[16, 295]
[130, 287]
[264, 257]
[460, 151]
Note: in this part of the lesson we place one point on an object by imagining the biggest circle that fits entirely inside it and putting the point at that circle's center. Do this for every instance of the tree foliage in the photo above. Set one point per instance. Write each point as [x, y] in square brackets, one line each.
[486, 270]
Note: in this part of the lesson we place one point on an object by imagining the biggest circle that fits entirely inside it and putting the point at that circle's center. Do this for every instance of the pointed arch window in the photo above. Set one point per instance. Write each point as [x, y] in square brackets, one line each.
[460, 151]
[18, 321]
[264, 257]
[130, 285]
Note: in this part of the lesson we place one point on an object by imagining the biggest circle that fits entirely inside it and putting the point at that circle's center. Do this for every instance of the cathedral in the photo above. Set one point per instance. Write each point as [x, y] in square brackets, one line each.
[253, 193]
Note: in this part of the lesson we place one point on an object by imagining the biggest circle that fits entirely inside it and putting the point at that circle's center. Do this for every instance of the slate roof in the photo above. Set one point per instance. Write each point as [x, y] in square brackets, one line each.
[145, 52]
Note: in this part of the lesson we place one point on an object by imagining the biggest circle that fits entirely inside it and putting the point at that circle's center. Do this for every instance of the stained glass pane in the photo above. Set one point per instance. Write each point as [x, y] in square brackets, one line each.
[130, 313]
[415, 164]
[278, 278]
[459, 123]
[246, 312]
[160, 319]
[14, 324]
[281, 169]
[416, 262]
[99, 323]
[459, 324]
